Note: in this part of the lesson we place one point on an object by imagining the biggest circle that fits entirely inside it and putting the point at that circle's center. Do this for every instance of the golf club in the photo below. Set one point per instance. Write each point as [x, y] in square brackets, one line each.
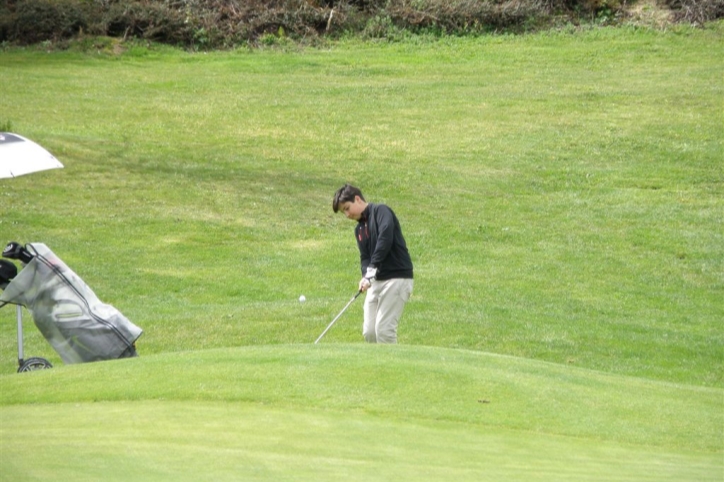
[16, 251]
[337, 317]
[8, 271]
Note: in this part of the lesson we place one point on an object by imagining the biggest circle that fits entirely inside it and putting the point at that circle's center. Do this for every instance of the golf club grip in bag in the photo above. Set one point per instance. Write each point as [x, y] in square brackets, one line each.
[68, 313]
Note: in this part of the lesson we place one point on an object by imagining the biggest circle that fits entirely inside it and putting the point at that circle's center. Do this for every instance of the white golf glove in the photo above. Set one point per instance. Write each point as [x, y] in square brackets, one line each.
[369, 277]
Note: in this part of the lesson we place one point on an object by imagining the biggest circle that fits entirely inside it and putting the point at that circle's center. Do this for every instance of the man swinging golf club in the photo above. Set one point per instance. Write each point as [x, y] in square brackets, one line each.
[385, 262]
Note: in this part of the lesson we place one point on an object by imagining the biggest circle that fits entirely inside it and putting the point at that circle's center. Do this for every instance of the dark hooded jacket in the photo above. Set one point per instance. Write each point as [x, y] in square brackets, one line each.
[381, 244]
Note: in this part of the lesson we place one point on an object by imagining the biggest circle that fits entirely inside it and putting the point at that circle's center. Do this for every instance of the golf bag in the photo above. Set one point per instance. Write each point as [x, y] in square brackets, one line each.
[66, 311]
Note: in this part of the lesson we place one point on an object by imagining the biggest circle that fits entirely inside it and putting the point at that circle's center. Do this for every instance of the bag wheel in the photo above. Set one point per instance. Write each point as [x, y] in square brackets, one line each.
[35, 363]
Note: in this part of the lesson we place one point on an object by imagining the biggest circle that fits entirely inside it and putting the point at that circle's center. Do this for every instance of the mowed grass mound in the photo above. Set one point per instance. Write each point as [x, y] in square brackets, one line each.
[354, 412]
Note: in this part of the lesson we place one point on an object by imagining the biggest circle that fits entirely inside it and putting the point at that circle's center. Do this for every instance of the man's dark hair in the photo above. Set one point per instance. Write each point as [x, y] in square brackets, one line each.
[345, 194]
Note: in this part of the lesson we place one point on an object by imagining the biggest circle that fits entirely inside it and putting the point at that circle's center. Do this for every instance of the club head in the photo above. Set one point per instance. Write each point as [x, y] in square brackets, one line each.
[15, 250]
[12, 250]
[8, 271]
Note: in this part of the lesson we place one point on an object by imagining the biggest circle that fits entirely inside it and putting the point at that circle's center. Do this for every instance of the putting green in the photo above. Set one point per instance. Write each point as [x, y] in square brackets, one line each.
[241, 441]
[352, 412]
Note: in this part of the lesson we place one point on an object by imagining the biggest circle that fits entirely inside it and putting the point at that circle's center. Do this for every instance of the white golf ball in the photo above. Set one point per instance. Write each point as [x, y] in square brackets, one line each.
[302, 299]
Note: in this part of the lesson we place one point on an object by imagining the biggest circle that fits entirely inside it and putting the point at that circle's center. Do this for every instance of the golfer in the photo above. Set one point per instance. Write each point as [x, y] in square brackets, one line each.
[385, 262]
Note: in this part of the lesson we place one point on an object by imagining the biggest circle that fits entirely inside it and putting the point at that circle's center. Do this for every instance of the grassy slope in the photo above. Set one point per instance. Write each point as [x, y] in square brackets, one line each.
[312, 413]
[561, 194]
[562, 198]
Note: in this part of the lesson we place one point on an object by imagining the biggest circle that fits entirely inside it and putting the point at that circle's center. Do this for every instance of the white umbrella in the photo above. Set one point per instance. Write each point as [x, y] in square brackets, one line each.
[19, 156]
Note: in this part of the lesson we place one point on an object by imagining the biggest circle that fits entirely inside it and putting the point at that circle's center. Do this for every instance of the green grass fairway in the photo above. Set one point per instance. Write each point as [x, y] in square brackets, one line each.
[354, 412]
[178, 441]
[562, 195]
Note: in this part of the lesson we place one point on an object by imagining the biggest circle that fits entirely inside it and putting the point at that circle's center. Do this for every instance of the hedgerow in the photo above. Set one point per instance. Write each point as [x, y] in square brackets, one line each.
[206, 24]
[696, 12]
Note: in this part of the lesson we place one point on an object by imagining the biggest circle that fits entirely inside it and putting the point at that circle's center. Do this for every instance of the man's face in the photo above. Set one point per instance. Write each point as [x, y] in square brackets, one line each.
[353, 210]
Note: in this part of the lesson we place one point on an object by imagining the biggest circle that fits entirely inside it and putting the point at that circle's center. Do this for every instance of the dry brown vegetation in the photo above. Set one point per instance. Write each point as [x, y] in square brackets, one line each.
[210, 24]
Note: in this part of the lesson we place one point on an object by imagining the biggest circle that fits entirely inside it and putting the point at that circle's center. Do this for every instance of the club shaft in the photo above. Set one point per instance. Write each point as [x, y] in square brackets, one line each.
[337, 317]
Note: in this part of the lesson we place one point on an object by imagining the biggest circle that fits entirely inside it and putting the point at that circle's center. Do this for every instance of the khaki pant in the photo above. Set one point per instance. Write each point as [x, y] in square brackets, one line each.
[383, 307]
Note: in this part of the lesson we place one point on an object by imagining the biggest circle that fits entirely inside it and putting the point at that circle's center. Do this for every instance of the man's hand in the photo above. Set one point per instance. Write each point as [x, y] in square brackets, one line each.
[369, 277]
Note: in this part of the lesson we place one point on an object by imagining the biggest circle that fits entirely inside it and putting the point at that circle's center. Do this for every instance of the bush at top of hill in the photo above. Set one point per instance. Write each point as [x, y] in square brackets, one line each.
[208, 24]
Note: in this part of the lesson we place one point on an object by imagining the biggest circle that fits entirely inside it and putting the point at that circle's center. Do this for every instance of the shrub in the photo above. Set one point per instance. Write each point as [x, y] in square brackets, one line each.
[697, 11]
[227, 23]
[156, 21]
[462, 16]
[34, 21]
